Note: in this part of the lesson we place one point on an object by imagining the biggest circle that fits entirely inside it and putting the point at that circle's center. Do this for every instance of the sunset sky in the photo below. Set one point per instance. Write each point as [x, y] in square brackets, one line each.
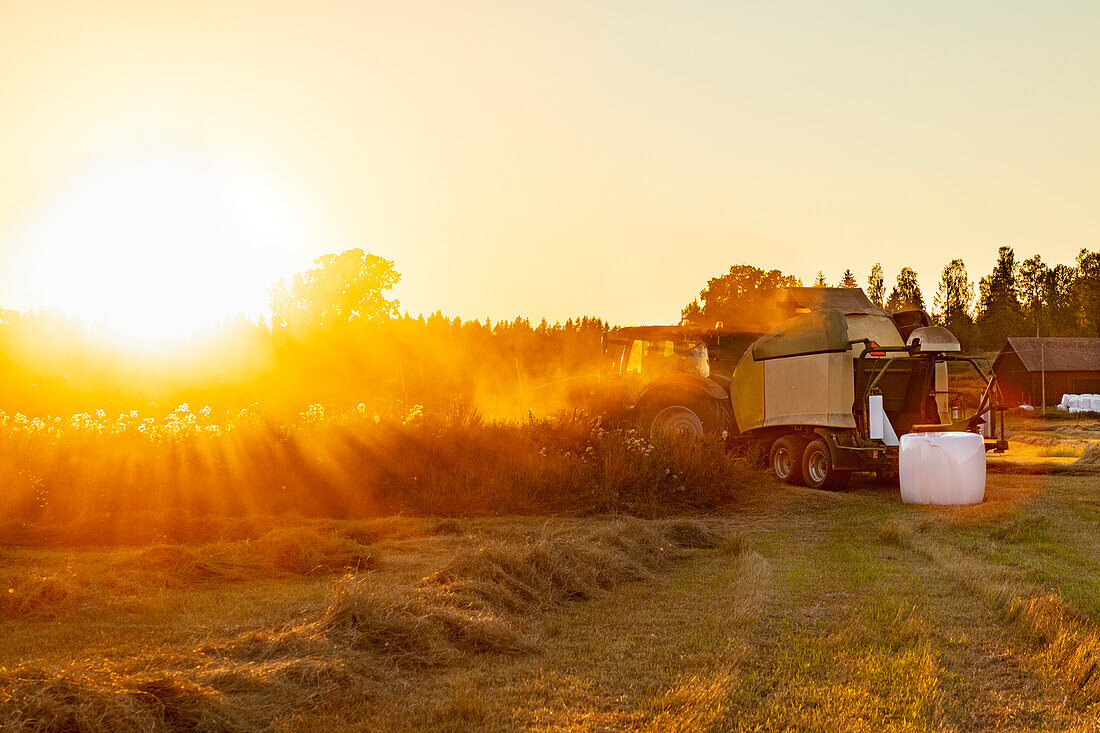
[534, 158]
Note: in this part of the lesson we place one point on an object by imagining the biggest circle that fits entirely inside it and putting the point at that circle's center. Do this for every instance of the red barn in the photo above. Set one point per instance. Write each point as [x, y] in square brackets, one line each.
[1070, 366]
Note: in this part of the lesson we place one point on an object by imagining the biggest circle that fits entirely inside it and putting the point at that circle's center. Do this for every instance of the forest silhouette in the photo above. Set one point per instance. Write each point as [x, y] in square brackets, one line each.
[337, 337]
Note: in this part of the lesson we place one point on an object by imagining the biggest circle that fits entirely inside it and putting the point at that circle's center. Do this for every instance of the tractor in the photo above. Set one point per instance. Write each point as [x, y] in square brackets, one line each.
[825, 393]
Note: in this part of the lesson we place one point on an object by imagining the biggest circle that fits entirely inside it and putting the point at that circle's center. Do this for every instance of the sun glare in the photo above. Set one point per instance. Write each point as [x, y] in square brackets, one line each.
[151, 246]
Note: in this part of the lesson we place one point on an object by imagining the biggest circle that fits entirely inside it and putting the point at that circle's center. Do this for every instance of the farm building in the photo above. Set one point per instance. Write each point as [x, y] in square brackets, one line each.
[1066, 365]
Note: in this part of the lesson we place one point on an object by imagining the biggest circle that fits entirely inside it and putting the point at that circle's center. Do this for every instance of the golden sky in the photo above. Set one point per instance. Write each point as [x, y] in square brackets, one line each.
[535, 158]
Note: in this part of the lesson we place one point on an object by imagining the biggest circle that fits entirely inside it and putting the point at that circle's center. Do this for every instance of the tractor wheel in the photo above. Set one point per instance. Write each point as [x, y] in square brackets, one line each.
[785, 459]
[693, 416]
[818, 470]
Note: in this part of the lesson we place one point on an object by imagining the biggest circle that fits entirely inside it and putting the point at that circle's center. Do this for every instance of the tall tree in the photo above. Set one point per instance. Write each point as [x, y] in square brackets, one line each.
[1032, 286]
[820, 281]
[906, 293]
[342, 288]
[999, 314]
[876, 286]
[745, 297]
[1088, 291]
[848, 280]
[1061, 299]
[953, 299]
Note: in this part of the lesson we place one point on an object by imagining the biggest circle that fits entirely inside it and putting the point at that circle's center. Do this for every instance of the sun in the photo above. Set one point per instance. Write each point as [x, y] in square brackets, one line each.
[151, 246]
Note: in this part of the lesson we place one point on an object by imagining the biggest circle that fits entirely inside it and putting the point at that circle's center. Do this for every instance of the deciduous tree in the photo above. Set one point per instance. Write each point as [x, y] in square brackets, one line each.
[746, 297]
[906, 292]
[341, 288]
[1088, 291]
[1031, 284]
[876, 285]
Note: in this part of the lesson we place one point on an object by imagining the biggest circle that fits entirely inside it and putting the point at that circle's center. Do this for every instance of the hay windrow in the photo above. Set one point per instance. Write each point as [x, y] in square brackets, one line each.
[483, 601]
[1088, 462]
[295, 550]
[39, 700]
[1068, 644]
[477, 602]
[281, 552]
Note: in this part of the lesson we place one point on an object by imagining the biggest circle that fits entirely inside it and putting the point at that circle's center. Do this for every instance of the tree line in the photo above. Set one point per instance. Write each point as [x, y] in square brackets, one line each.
[1017, 298]
[337, 336]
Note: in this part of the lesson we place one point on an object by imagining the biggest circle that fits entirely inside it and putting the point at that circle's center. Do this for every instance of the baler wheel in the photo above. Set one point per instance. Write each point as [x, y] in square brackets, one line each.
[785, 459]
[818, 470]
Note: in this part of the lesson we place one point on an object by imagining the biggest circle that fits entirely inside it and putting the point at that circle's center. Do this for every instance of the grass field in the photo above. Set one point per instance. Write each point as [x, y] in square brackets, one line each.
[803, 611]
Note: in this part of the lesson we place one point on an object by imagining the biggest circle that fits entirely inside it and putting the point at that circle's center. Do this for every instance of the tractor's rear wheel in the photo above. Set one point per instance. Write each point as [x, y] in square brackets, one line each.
[785, 459]
[676, 419]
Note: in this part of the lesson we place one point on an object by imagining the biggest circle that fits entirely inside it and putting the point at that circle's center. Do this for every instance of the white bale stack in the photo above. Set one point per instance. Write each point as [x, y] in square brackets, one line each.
[1074, 403]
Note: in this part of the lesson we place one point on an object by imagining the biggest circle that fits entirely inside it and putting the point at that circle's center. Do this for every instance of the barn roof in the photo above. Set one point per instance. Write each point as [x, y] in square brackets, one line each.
[1056, 354]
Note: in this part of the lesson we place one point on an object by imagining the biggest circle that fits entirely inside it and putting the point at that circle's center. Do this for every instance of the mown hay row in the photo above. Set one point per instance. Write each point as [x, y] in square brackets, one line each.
[477, 601]
[1068, 644]
[483, 601]
[124, 581]
[37, 700]
[1088, 462]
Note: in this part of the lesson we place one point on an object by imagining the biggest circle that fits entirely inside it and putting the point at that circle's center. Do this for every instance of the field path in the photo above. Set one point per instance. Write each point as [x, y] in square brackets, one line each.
[844, 611]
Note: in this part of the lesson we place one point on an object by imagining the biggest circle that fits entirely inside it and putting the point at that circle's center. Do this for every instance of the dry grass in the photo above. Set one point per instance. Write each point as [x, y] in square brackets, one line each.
[816, 611]
[1068, 645]
[483, 601]
[477, 601]
[294, 550]
[414, 625]
[1088, 462]
[121, 580]
[121, 486]
[1059, 451]
[44, 596]
[36, 700]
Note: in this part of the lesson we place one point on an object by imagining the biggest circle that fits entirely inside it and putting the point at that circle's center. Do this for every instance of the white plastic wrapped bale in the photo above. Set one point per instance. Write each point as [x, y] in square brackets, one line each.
[1075, 403]
[942, 468]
